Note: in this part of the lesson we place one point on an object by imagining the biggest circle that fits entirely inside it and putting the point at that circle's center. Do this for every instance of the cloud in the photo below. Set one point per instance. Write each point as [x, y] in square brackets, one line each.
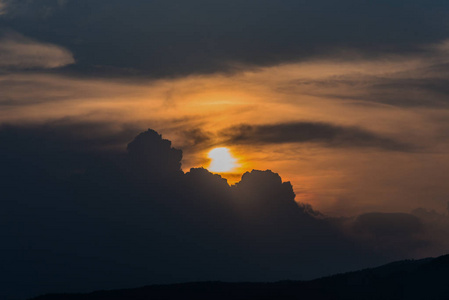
[135, 212]
[303, 132]
[417, 79]
[149, 150]
[387, 224]
[138, 214]
[193, 111]
[20, 52]
[417, 88]
[87, 136]
[436, 230]
[190, 37]
[3, 7]
[195, 138]
[400, 234]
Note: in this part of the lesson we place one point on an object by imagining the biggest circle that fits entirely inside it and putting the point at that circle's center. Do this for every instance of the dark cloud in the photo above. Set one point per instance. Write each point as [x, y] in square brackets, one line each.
[75, 216]
[387, 224]
[78, 218]
[436, 229]
[70, 134]
[302, 132]
[399, 234]
[166, 38]
[154, 154]
[195, 138]
[409, 92]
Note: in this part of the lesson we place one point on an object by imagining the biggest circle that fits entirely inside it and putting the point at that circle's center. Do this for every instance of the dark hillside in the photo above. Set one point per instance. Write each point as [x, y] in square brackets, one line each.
[410, 279]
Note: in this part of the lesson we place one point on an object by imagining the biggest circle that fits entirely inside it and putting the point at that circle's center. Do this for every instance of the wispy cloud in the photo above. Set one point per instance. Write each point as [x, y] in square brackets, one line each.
[2, 7]
[20, 52]
[302, 132]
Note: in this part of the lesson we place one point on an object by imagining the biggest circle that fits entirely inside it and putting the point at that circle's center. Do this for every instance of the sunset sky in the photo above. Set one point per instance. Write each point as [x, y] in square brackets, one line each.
[348, 100]
[356, 120]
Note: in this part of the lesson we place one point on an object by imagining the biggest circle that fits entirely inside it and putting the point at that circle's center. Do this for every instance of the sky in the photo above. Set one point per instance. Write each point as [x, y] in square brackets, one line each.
[346, 103]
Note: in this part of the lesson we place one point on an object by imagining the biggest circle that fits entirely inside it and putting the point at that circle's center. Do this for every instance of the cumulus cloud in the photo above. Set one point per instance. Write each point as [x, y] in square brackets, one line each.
[20, 52]
[151, 152]
[302, 132]
[138, 214]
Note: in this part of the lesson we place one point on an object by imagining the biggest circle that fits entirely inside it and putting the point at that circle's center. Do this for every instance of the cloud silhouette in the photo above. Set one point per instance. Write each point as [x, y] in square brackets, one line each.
[387, 224]
[79, 218]
[148, 150]
[302, 132]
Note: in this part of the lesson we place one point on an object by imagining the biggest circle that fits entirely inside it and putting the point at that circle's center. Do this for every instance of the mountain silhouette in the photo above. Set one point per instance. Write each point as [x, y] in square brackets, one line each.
[409, 279]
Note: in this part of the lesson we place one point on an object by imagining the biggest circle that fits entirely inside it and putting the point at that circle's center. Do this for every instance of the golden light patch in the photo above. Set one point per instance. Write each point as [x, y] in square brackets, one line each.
[221, 160]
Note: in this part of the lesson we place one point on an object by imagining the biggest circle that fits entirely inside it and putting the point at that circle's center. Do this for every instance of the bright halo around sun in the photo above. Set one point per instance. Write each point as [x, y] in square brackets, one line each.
[221, 160]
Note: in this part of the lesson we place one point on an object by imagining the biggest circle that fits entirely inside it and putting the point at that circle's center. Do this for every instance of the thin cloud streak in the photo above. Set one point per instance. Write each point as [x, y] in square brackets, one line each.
[302, 132]
[19, 52]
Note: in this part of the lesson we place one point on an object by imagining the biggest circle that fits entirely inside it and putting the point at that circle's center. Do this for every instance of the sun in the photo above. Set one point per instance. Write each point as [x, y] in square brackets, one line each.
[221, 160]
